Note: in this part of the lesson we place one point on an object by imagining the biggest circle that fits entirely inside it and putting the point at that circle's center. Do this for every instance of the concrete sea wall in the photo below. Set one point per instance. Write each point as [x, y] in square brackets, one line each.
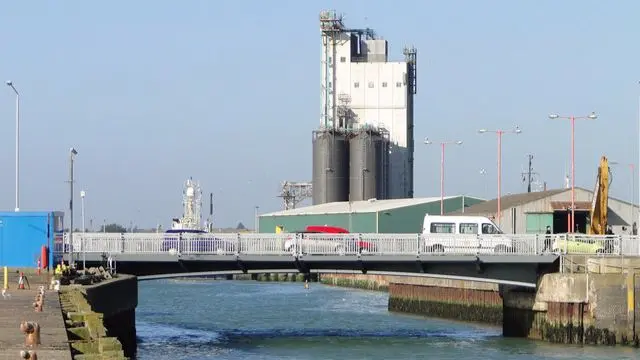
[101, 318]
[358, 281]
[599, 309]
[451, 299]
[276, 277]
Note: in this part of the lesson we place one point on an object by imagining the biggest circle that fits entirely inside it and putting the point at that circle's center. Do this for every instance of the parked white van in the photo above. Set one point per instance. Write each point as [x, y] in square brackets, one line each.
[464, 235]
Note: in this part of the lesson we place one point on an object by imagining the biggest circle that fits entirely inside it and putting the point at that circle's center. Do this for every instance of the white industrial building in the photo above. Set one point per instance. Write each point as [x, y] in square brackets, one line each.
[361, 88]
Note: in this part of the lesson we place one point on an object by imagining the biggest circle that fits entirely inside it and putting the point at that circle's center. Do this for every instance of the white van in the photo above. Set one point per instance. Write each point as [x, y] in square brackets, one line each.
[464, 235]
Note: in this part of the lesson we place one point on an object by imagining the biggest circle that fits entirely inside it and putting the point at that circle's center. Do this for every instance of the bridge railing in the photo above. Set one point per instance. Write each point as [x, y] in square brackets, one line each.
[352, 244]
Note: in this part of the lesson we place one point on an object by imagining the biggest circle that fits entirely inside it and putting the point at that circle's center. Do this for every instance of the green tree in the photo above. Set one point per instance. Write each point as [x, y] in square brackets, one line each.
[114, 228]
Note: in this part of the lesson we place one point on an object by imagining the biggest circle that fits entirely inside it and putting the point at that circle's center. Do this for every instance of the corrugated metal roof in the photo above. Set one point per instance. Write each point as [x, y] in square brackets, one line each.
[508, 201]
[359, 206]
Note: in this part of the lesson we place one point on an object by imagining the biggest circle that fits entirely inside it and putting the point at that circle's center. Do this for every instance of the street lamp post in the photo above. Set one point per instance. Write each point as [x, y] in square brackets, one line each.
[72, 153]
[500, 132]
[442, 146]
[10, 84]
[84, 257]
[573, 119]
[82, 195]
[256, 223]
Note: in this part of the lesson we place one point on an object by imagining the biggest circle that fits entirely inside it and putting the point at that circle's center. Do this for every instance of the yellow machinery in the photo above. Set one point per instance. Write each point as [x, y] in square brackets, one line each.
[600, 202]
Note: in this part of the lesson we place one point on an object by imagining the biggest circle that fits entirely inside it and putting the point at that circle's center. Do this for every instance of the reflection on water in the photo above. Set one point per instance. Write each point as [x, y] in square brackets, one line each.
[182, 319]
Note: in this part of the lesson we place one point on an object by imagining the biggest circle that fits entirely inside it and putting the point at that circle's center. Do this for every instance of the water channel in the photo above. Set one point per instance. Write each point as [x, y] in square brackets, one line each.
[199, 319]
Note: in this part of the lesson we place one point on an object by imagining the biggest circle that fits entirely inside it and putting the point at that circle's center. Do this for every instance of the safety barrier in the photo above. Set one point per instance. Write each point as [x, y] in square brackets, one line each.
[351, 244]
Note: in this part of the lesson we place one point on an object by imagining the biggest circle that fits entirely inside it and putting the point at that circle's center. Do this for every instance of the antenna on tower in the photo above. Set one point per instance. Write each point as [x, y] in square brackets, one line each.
[192, 206]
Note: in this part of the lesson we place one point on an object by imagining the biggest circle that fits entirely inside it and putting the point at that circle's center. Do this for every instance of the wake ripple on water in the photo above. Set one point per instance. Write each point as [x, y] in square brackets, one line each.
[180, 336]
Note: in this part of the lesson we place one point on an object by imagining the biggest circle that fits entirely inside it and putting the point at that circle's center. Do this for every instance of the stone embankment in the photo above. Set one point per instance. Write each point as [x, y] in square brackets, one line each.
[99, 314]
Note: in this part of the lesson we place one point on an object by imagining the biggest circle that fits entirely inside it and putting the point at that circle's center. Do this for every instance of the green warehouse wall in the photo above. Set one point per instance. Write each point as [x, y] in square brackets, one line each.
[406, 219]
[360, 222]
[411, 218]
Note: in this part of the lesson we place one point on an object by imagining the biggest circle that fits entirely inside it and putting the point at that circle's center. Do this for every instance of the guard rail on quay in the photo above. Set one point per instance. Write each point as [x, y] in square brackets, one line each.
[350, 244]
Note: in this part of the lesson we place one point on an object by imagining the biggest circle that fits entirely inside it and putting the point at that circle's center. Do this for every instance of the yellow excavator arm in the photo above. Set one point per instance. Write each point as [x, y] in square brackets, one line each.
[600, 202]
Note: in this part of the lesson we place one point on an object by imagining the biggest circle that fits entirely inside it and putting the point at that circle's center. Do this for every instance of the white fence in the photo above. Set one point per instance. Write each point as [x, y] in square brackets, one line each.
[350, 244]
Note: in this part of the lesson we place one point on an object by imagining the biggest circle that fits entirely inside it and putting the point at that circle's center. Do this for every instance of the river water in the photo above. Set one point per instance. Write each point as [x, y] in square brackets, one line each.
[198, 319]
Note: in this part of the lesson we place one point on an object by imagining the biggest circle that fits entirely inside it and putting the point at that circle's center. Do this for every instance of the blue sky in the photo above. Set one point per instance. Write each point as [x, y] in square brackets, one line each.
[152, 92]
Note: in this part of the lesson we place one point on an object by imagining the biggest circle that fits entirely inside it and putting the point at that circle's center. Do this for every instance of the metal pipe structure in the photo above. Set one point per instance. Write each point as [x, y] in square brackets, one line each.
[442, 146]
[10, 84]
[72, 153]
[632, 167]
[573, 119]
[500, 132]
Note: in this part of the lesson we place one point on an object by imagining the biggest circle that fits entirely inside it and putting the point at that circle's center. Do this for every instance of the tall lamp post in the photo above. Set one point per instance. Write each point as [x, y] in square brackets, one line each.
[573, 119]
[82, 195]
[500, 132]
[72, 153]
[10, 84]
[82, 244]
[442, 146]
[256, 223]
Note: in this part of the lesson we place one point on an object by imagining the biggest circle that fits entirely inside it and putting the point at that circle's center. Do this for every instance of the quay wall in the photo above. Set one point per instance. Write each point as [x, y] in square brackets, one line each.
[452, 299]
[117, 300]
[101, 317]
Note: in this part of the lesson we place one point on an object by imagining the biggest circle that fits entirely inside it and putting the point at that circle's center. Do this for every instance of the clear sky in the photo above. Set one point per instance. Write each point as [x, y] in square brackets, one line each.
[153, 92]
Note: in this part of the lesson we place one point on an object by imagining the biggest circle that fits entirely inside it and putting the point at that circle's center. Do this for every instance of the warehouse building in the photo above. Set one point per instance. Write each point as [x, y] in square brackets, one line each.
[532, 212]
[369, 216]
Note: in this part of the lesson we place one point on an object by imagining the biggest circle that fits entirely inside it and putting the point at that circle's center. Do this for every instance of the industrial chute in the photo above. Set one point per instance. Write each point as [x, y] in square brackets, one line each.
[600, 203]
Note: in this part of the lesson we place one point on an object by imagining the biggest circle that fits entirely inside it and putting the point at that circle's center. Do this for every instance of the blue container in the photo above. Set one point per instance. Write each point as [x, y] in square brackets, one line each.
[22, 235]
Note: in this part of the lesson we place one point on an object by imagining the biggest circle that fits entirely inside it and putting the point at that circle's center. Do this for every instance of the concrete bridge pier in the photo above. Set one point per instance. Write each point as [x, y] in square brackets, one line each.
[578, 308]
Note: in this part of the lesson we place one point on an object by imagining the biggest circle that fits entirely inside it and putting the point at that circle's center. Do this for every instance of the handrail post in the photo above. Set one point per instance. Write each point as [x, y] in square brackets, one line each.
[536, 248]
[122, 247]
[238, 244]
[620, 245]
[418, 252]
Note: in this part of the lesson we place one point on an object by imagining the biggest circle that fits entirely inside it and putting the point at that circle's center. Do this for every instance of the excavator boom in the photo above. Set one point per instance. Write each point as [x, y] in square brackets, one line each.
[600, 203]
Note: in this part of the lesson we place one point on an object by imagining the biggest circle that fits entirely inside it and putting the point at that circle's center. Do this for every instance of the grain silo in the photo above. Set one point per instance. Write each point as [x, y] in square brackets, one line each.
[369, 159]
[330, 166]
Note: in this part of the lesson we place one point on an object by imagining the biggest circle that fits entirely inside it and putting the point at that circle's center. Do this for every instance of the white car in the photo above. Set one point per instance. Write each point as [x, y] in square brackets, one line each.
[464, 235]
[314, 243]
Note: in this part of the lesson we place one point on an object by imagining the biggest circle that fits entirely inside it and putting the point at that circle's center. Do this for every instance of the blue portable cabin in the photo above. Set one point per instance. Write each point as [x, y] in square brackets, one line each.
[23, 233]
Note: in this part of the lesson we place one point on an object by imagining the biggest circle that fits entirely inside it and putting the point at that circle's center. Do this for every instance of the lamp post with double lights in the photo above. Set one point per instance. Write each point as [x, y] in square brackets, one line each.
[500, 132]
[442, 146]
[573, 119]
[72, 155]
[13, 87]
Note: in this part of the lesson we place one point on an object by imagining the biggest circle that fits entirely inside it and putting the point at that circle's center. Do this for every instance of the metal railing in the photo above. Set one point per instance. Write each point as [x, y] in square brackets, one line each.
[350, 244]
